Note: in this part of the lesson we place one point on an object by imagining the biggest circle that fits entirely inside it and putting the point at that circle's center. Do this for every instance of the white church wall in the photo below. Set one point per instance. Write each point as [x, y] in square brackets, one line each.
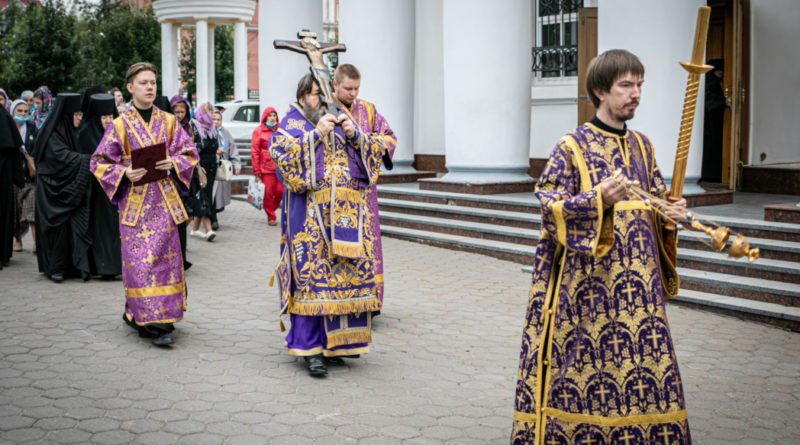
[660, 33]
[281, 69]
[774, 82]
[554, 112]
[428, 79]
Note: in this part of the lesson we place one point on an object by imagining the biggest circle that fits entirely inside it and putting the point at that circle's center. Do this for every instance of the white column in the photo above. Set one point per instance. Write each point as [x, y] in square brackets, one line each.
[428, 79]
[167, 56]
[660, 45]
[174, 81]
[487, 80]
[201, 58]
[390, 86]
[212, 58]
[280, 70]
[240, 60]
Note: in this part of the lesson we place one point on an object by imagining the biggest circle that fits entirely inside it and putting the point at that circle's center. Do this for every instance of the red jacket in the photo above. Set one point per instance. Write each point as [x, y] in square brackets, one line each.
[259, 146]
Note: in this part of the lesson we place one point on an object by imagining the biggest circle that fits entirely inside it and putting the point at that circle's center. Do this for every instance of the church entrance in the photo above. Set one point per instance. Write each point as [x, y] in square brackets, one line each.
[726, 113]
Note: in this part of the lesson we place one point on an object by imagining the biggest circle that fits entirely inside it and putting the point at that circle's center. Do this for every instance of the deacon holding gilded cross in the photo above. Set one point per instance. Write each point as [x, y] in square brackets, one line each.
[326, 271]
[597, 363]
[346, 83]
[149, 212]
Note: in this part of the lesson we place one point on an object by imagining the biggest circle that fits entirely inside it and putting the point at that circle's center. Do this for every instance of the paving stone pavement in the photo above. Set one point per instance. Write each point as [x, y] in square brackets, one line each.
[442, 367]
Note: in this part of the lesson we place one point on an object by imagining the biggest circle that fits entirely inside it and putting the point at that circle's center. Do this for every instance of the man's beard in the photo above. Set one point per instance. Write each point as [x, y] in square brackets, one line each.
[313, 115]
[626, 114]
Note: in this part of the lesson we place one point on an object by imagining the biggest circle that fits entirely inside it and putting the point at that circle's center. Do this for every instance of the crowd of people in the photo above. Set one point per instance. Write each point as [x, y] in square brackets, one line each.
[71, 181]
[46, 178]
[597, 361]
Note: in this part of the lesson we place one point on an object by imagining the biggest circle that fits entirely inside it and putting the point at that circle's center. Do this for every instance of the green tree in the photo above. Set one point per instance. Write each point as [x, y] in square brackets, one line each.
[41, 49]
[117, 36]
[223, 66]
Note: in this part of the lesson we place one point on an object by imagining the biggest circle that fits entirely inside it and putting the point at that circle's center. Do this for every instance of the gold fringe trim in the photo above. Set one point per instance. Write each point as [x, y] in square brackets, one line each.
[334, 308]
[349, 250]
[342, 194]
[349, 338]
[646, 419]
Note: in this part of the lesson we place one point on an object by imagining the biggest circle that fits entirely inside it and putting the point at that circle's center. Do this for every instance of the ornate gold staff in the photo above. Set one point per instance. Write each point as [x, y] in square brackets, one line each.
[695, 69]
[719, 234]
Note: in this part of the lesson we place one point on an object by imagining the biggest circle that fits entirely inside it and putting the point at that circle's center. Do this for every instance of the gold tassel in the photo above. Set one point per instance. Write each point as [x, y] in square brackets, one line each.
[344, 194]
[349, 338]
[340, 308]
[272, 279]
[283, 327]
[348, 251]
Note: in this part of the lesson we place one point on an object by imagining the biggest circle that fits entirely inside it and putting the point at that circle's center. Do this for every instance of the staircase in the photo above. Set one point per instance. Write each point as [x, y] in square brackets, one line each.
[507, 227]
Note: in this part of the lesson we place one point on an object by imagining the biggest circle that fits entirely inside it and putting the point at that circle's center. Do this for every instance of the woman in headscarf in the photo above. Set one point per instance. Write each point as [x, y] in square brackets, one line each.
[43, 99]
[227, 150]
[27, 96]
[23, 196]
[263, 168]
[179, 106]
[4, 99]
[205, 139]
[62, 205]
[105, 251]
[10, 175]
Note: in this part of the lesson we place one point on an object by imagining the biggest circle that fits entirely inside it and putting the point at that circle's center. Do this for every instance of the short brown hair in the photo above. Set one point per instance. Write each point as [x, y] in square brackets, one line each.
[606, 68]
[346, 70]
[137, 68]
[305, 86]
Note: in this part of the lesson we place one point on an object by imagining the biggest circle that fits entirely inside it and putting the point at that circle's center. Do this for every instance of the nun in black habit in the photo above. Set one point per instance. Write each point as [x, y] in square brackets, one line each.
[105, 256]
[10, 174]
[62, 204]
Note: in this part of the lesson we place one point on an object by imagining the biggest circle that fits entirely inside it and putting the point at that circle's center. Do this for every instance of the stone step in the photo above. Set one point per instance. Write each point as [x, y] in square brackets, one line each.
[495, 202]
[443, 212]
[787, 317]
[763, 268]
[527, 203]
[496, 249]
[707, 260]
[758, 289]
[737, 284]
[473, 214]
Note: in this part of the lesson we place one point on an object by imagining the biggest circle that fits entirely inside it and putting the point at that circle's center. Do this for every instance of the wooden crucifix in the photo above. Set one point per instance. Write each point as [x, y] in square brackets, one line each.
[314, 50]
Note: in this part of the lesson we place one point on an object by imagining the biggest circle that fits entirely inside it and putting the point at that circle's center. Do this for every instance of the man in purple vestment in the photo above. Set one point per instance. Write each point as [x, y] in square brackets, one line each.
[346, 83]
[597, 363]
[326, 273]
[152, 264]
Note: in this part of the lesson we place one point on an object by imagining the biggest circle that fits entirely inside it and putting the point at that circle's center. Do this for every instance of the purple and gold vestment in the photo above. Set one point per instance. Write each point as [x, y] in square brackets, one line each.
[369, 121]
[597, 363]
[326, 272]
[152, 264]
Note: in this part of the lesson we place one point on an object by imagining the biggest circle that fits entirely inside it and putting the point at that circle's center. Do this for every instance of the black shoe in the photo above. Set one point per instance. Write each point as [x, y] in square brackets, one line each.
[187, 265]
[163, 340]
[316, 366]
[375, 313]
[85, 276]
[57, 277]
[334, 361]
[108, 277]
[214, 225]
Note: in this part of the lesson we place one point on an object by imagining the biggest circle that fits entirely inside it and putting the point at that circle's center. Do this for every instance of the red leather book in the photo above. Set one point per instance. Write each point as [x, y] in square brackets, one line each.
[147, 157]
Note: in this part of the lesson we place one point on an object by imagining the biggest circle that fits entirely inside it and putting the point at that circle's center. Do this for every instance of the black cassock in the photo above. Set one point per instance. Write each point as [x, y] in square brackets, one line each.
[62, 184]
[10, 174]
[105, 257]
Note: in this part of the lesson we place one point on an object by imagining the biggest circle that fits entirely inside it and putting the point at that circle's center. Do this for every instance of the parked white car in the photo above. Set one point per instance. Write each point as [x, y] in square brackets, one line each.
[240, 117]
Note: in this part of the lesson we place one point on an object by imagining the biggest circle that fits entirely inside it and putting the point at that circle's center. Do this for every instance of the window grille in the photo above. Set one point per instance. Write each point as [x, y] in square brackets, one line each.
[555, 51]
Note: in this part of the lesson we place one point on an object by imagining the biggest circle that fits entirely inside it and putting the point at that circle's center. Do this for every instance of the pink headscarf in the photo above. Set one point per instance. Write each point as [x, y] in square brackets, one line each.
[205, 125]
